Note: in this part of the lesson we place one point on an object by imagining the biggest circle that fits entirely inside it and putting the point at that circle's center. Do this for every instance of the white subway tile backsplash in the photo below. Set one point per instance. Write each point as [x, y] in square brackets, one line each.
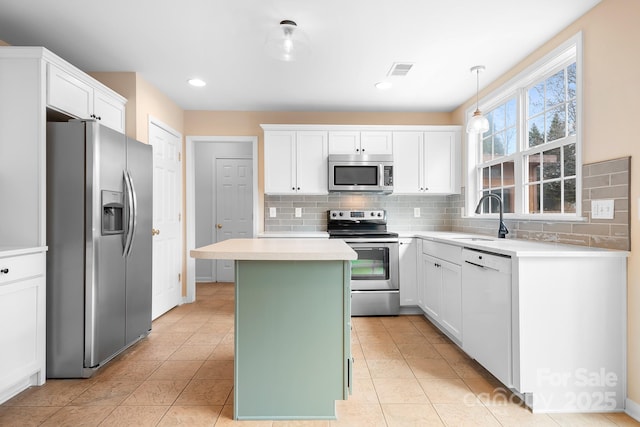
[606, 180]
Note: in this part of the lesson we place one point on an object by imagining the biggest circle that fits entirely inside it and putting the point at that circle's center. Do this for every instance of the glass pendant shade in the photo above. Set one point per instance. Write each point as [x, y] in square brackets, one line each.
[287, 43]
[478, 123]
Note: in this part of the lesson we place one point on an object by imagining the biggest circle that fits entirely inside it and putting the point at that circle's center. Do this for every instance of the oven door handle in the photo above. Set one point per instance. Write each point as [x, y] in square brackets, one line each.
[372, 241]
[391, 291]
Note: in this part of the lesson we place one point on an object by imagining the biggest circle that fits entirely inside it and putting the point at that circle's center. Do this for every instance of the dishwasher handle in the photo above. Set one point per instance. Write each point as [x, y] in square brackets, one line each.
[484, 267]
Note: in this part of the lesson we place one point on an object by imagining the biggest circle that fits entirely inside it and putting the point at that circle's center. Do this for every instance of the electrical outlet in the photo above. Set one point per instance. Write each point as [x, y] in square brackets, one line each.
[272, 212]
[602, 209]
[298, 212]
[416, 212]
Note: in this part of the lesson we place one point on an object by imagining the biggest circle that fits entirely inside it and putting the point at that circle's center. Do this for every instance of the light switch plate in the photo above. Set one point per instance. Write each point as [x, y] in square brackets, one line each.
[602, 209]
[298, 212]
[272, 212]
[416, 212]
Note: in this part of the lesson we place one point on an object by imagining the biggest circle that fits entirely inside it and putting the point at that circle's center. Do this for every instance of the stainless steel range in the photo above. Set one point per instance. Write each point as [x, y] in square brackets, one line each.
[374, 275]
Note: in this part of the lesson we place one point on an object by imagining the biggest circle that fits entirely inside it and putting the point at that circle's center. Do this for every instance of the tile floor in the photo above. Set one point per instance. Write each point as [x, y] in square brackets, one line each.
[406, 374]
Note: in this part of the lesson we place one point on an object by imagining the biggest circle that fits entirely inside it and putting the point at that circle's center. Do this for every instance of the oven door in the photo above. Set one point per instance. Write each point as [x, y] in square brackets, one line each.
[376, 267]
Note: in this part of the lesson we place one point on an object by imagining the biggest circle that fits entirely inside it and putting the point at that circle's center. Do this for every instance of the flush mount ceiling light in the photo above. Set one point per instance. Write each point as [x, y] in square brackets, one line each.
[197, 82]
[478, 123]
[287, 42]
[383, 85]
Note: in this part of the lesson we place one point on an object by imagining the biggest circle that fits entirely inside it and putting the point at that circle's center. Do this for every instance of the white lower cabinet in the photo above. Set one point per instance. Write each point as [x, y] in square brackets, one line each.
[569, 332]
[408, 273]
[441, 283]
[22, 316]
[549, 322]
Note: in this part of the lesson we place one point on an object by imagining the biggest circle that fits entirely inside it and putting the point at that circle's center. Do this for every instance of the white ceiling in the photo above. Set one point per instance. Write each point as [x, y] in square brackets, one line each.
[353, 45]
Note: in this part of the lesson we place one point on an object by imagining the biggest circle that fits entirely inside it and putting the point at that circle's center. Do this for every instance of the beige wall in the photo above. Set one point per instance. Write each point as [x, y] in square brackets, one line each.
[611, 89]
[125, 84]
[150, 102]
[143, 101]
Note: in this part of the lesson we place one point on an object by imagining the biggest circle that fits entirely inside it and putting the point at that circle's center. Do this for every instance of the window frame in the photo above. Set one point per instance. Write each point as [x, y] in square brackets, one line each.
[558, 58]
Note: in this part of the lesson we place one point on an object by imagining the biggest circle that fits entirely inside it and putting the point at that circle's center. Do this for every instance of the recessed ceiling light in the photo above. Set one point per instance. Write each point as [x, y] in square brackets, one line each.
[383, 85]
[197, 82]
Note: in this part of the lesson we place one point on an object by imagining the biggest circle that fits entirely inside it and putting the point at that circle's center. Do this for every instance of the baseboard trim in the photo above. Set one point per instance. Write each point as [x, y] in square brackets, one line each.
[632, 409]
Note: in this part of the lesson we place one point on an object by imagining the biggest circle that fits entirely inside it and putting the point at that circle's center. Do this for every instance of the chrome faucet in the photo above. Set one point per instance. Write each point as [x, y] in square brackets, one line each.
[502, 229]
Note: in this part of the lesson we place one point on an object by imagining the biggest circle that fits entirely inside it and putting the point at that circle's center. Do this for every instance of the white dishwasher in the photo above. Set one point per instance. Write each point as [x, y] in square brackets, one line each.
[486, 311]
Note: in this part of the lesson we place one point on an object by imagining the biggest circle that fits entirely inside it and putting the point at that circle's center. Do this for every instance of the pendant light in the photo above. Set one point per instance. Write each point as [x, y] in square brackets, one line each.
[478, 123]
[287, 43]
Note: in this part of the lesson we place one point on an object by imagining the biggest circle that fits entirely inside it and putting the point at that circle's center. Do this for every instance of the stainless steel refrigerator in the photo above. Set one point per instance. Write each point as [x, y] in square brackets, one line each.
[99, 213]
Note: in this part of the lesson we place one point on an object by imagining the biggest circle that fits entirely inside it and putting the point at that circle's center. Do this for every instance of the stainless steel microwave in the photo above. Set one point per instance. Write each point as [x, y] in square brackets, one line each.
[361, 173]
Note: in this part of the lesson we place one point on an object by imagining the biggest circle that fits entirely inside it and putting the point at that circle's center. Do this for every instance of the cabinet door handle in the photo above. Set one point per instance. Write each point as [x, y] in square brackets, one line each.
[4, 271]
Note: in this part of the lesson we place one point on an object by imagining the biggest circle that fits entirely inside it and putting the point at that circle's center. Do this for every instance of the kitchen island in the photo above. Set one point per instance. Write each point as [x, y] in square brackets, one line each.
[292, 325]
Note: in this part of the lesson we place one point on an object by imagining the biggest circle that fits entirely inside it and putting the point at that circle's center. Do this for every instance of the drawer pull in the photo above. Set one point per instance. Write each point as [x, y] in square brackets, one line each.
[4, 271]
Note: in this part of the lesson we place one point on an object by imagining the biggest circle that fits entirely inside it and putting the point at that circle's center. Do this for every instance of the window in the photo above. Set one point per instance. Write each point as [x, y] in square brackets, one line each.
[530, 154]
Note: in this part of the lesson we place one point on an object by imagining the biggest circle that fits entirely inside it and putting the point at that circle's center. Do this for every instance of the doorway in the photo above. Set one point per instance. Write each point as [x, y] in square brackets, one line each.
[222, 200]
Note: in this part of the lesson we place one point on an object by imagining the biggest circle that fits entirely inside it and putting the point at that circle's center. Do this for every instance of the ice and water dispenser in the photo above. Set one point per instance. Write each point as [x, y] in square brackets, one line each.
[112, 212]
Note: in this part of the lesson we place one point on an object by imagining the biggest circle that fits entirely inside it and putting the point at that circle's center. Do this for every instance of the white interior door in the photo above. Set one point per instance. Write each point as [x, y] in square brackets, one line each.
[167, 255]
[234, 207]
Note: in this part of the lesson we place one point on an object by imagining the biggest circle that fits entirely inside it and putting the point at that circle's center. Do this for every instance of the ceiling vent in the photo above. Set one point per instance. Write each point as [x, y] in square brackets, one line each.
[399, 69]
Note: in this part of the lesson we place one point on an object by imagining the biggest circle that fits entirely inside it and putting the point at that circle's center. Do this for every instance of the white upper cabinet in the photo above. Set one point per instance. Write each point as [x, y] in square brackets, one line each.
[356, 142]
[426, 158]
[427, 162]
[80, 96]
[68, 94]
[295, 162]
[109, 110]
[407, 162]
[441, 162]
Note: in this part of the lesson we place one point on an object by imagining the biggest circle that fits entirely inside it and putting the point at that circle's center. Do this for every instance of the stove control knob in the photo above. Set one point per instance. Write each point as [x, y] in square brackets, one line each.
[333, 214]
[341, 213]
[379, 213]
[373, 214]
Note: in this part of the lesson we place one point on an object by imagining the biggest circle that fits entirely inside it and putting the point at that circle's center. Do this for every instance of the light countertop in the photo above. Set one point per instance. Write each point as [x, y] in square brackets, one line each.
[7, 251]
[514, 247]
[281, 249]
[509, 246]
[293, 234]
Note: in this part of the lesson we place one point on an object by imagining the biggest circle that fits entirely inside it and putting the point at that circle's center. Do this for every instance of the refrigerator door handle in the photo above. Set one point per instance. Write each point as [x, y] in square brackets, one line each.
[131, 211]
[134, 213]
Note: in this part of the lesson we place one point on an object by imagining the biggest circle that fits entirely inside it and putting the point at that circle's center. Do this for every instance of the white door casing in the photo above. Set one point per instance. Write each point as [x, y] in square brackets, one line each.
[234, 210]
[191, 142]
[167, 239]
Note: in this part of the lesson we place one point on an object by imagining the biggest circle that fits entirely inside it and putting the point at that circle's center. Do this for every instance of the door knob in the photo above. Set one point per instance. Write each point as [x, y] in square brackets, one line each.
[154, 232]
[219, 225]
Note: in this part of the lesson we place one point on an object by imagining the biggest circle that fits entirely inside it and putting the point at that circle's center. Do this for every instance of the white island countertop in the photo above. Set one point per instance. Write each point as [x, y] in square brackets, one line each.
[277, 250]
